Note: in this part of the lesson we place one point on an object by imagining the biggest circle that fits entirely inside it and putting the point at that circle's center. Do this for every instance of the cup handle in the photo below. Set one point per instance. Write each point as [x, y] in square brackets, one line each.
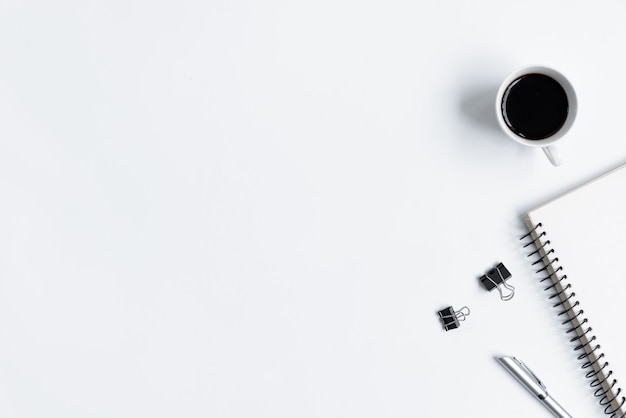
[553, 154]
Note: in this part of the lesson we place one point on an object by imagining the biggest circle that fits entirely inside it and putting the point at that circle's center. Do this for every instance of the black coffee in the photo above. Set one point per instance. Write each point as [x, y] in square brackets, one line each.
[535, 106]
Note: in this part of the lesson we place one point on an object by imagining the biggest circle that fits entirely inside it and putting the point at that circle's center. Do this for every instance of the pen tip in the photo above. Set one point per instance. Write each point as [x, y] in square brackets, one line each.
[503, 359]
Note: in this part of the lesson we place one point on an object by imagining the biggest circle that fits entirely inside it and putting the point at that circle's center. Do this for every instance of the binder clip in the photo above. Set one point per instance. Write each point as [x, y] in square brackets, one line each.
[496, 279]
[451, 318]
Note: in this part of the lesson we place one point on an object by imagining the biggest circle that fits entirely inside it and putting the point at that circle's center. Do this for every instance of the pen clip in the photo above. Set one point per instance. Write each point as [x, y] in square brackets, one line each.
[530, 373]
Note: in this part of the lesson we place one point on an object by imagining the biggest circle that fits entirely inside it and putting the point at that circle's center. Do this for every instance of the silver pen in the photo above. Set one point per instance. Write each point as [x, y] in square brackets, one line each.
[531, 382]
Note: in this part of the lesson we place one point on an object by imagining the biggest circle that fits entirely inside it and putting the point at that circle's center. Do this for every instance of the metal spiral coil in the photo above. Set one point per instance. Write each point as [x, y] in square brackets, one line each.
[565, 296]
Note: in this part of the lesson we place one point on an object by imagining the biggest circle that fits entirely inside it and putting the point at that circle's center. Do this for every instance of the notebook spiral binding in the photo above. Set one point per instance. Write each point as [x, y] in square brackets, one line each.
[599, 373]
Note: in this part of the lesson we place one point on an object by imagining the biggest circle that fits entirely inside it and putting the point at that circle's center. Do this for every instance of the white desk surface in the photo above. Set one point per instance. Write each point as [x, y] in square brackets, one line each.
[255, 209]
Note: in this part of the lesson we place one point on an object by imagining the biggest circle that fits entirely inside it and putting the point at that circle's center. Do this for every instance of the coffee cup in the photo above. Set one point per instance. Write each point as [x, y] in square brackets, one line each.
[536, 106]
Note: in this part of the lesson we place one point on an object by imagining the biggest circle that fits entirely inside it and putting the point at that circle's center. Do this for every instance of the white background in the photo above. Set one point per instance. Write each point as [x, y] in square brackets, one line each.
[255, 209]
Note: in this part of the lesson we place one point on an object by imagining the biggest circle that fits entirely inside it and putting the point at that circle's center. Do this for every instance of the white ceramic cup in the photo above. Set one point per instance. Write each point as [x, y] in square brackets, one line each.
[548, 145]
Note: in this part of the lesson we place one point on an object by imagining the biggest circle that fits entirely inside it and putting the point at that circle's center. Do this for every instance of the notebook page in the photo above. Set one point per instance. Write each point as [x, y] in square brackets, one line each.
[586, 228]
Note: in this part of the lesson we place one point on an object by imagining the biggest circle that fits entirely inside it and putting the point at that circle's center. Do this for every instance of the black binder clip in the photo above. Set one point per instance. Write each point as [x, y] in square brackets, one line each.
[496, 279]
[451, 318]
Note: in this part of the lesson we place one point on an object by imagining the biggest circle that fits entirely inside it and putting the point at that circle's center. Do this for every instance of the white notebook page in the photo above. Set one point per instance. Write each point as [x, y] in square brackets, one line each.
[586, 228]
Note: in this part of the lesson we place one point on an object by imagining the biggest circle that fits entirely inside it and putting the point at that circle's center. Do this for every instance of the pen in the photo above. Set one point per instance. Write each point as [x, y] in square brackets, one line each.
[527, 378]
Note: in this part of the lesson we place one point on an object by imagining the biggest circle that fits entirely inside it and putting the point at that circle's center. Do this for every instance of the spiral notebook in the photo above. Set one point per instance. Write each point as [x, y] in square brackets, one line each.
[579, 240]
